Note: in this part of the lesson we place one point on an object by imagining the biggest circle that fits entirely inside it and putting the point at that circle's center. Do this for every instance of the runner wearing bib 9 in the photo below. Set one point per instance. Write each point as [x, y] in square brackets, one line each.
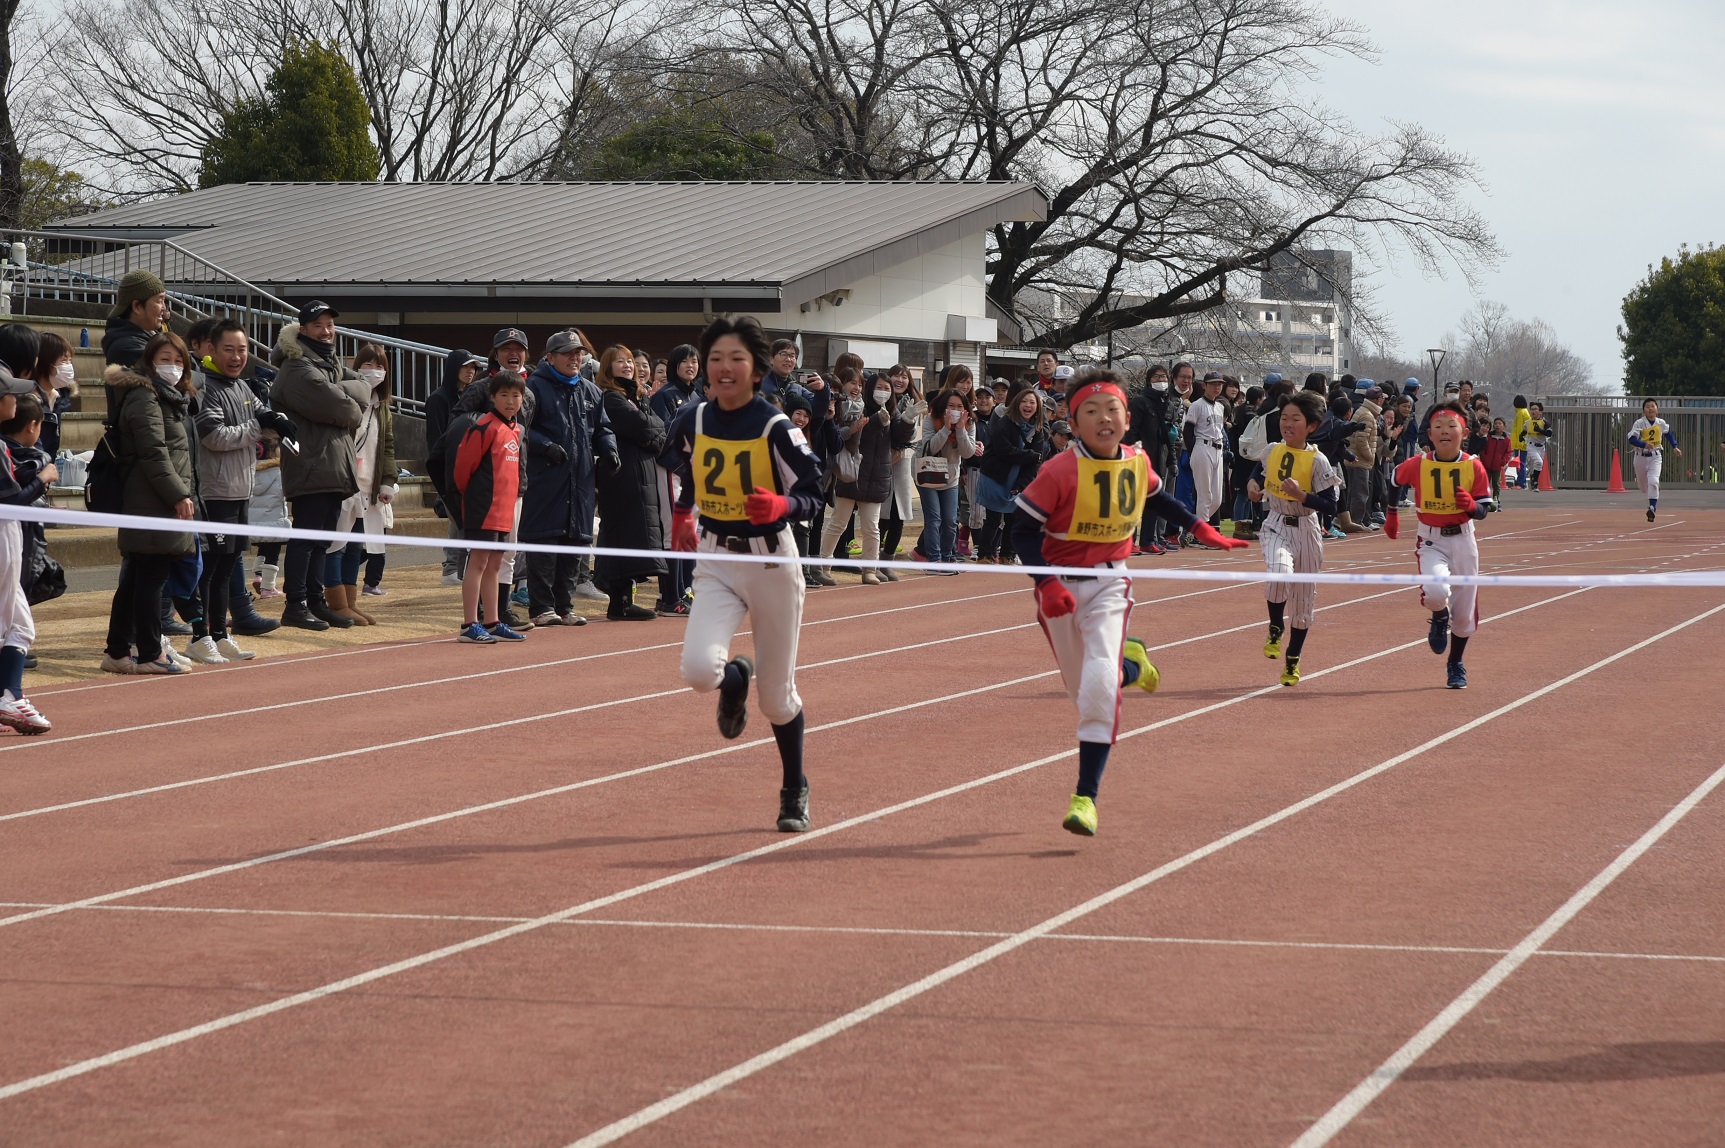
[1451, 492]
[1080, 511]
[746, 474]
[1297, 483]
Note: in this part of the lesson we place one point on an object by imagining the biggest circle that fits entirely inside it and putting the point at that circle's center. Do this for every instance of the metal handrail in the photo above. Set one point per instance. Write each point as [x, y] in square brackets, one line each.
[1633, 402]
[416, 369]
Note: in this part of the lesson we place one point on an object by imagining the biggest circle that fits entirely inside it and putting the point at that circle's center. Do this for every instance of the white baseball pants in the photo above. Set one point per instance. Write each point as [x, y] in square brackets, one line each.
[771, 597]
[1647, 469]
[1207, 479]
[1086, 646]
[1293, 545]
[1453, 554]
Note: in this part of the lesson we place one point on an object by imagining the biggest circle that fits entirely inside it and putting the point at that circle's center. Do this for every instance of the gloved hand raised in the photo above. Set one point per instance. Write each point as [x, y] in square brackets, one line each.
[1392, 523]
[1053, 599]
[763, 506]
[279, 423]
[1465, 502]
[555, 454]
[608, 464]
[1209, 536]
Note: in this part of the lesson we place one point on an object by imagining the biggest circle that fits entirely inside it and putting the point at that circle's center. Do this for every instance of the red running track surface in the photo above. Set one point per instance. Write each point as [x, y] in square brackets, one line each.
[359, 920]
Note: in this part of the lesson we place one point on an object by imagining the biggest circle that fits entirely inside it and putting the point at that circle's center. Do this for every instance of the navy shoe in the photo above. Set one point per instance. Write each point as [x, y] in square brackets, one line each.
[734, 704]
[1457, 676]
[502, 632]
[1438, 637]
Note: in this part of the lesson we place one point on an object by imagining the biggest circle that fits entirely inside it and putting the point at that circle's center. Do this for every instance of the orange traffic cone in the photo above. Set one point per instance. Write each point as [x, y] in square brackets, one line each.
[1545, 476]
[1616, 485]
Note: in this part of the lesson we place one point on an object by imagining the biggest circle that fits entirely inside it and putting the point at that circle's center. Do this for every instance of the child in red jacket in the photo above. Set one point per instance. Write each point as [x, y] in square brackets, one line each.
[486, 472]
[1496, 458]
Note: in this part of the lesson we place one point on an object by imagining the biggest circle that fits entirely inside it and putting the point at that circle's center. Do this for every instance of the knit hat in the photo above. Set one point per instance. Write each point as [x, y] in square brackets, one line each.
[136, 286]
[794, 401]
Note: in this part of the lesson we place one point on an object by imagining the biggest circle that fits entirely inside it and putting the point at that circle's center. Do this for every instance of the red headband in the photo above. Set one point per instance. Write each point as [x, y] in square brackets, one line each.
[1089, 390]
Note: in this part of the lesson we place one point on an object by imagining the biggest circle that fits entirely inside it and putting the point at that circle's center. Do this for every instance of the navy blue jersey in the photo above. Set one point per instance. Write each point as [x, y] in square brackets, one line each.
[723, 456]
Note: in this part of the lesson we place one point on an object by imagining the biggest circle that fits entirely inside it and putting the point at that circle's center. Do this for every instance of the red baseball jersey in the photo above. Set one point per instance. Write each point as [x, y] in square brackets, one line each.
[1436, 482]
[1089, 506]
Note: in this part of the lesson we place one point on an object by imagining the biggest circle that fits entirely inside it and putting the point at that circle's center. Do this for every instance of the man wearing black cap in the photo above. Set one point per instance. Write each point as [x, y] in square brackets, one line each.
[460, 368]
[324, 400]
[568, 443]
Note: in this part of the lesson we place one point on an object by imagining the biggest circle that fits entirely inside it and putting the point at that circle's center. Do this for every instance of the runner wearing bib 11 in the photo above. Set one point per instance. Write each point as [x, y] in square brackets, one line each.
[1649, 437]
[746, 474]
[1080, 511]
[1451, 492]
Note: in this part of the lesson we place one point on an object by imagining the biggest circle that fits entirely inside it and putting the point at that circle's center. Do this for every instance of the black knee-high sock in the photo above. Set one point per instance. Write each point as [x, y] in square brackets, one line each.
[1456, 646]
[790, 739]
[1277, 610]
[1092, 760]
[1296, 640]
[12, 670]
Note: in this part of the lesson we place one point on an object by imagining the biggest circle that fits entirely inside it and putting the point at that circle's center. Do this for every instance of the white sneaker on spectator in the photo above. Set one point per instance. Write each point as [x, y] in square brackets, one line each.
[203, 651]
[548, 618]
[113, 665]
[20, 715]
[588, 590]
[169, 654]
[451, 578]
[230, 649]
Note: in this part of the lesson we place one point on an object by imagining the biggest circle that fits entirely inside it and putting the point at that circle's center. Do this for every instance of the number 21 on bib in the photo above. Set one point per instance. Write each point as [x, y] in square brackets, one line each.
[1110, 498]
[726, 471]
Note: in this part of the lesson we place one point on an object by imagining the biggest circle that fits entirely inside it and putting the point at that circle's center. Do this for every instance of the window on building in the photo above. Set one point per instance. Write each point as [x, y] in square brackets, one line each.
[1270, 317]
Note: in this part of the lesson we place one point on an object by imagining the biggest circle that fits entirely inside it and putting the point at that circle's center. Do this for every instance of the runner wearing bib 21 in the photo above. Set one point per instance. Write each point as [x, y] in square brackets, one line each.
[1080, 511]
[746, 473]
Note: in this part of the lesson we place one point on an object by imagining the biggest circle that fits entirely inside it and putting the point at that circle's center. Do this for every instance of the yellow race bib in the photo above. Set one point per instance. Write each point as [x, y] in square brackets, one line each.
[1651, 437]
[1110, 498]
[726, 471]
[1439, 482]
[1285, 462]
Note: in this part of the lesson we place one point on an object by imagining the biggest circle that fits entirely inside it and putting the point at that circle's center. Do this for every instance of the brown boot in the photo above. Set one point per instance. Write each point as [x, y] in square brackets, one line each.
[340, 601]
[351, 597]
[1347, 525]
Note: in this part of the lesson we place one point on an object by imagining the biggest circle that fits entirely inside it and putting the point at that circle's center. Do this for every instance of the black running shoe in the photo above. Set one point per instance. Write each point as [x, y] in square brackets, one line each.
[794, 810]
[1438, 637]
[734, 704]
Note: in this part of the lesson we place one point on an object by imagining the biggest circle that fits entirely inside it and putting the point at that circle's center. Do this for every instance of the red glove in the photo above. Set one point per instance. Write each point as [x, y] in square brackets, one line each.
[1393, 523]
[1054, 599]
[683, 530]
[1209, 536]
[1464, 502]
[763, 507]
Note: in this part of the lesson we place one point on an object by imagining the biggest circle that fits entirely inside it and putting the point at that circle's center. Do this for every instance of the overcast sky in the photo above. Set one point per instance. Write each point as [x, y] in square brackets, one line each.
[1600, 132]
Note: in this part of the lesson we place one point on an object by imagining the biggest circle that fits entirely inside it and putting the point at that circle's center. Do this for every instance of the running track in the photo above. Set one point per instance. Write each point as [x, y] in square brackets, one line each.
[308, 901]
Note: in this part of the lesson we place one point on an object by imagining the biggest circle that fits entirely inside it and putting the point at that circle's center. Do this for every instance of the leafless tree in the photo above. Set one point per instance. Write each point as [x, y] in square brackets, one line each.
[1506, 356]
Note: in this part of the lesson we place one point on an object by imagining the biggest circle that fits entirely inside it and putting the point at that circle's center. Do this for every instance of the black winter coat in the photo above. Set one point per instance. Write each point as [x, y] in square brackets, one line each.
[123, 343]
[1149, 430]
[440, 406]
[560, 498]
[1012, 443]
[874, 474]
[629, 499]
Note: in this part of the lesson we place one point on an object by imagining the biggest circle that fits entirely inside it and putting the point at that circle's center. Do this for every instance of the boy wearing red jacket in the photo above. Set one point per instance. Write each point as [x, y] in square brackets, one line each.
[1080, 511]
[486, 473]
[1451, 492]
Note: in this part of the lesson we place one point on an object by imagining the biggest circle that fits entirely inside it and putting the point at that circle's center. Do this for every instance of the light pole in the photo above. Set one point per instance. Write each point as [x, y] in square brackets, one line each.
[1437, 355]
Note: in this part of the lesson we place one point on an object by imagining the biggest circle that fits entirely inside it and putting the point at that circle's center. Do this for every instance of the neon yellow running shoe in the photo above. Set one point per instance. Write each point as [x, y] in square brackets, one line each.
[1148, 676]
[1273, 647]
[1080, 817]
[854, 549]
[1291, 671]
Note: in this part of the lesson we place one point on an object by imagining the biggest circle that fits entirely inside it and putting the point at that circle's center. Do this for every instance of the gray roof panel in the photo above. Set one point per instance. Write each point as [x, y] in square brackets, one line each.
[568, 234]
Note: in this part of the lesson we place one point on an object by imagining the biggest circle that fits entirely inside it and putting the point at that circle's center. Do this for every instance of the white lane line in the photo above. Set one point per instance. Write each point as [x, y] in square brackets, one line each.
[680, 1100]
[882, 931]
[337, 755]
[1386, 1074]
[39, 743]
[218, 1024]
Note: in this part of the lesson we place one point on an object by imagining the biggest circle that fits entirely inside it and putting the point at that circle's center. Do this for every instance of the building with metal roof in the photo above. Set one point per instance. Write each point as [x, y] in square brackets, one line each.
[892, 270]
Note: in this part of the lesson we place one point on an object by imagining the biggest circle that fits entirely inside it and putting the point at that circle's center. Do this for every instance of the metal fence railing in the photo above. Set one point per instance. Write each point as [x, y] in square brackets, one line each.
[1587, 429]
[39, 269]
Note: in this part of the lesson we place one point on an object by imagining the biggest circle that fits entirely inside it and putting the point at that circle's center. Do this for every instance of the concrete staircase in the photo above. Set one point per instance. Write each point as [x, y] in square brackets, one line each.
[81, 428]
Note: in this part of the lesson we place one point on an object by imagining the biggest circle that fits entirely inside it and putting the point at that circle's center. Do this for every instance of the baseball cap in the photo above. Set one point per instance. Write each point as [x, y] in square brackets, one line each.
[14, 386]
[1060, 426]
[475, 360]
[510, 335]
[1452, 388]
[563, 341]
[1064, 372]
[1411, 385]
[1214, 377]
[1272, 378]
[314, 309]
[1374, 393]
[1364, 384]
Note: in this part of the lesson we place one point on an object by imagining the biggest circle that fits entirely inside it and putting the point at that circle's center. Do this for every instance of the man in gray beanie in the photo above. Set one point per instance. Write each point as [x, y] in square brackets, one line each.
[140, 309]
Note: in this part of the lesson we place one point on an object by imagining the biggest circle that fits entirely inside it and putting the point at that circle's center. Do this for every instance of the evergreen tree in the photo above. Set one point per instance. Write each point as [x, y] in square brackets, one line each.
[312, 124]
[1673, 329]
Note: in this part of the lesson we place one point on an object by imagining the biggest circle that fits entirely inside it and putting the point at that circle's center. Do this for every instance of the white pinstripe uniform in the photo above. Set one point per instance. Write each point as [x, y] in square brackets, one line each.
[1649, 439]
[1209, 438]
[1292, 541]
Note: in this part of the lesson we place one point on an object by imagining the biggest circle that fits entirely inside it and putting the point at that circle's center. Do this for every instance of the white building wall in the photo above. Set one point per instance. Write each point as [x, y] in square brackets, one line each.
[909, 301]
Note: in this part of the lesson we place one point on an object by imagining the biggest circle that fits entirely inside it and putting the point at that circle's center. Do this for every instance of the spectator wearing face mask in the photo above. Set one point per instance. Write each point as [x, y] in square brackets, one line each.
[370, 509]
[868, 436]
